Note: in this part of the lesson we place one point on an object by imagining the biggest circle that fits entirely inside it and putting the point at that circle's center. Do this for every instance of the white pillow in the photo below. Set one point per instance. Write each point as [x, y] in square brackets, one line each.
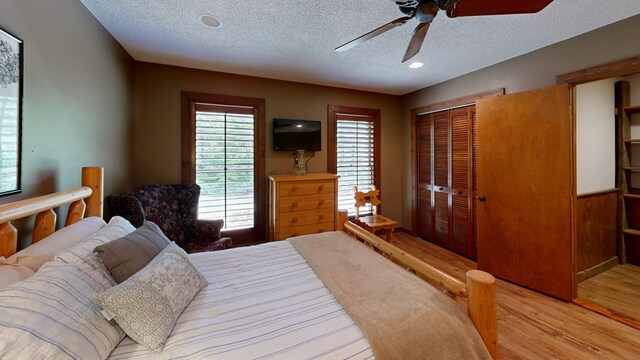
[51, 315]
[82, 254]
[147, 304]
[39, 253]
[12, 273]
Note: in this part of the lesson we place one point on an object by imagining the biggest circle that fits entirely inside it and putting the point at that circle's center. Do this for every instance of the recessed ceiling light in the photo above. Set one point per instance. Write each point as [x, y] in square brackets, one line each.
[299, 126]
[416, 65]
[210, 21]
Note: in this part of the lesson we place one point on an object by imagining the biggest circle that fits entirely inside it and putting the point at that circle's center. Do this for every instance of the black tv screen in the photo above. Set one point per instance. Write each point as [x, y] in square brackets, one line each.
[289, 135]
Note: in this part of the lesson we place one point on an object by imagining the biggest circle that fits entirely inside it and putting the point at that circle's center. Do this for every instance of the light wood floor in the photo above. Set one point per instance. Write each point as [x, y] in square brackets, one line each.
[617, 289]
[535, 326]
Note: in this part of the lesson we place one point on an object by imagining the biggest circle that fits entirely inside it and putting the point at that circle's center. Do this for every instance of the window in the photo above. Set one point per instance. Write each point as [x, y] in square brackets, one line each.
[223, 152]
[354, 152]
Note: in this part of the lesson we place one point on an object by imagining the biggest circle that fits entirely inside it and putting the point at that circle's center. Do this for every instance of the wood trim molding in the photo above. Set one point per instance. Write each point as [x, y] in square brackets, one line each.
[634, 323]
[461, 101]
[245, 105]
[615, 69]
[597, 269]
[598, 193]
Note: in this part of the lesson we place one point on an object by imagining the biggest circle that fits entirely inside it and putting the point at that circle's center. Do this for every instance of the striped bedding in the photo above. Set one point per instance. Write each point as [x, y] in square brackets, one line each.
[262, 302]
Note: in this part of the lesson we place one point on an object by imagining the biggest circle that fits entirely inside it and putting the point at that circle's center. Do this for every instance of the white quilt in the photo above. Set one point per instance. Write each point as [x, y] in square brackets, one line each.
[262, 302]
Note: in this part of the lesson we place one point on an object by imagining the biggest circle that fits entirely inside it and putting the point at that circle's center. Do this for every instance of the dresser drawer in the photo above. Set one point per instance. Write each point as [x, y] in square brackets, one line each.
[297, 188]
[304, 230]
[306, 217]
[306, 202]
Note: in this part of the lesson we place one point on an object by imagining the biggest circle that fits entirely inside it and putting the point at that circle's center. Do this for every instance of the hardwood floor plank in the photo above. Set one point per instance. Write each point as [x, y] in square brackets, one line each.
[617, 289]
[536, 326]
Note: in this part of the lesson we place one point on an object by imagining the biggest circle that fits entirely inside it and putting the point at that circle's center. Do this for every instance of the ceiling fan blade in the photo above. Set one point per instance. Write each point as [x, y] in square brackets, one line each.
[371, 34]
[416, 41]
[458, 8]
[406, 2]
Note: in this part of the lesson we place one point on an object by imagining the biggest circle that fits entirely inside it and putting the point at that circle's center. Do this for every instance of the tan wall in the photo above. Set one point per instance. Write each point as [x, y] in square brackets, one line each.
[157, 124]
[530, 71]
[78, 96]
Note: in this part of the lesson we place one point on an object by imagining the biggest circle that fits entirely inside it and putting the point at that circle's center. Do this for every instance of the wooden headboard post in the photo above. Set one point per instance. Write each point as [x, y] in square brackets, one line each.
[42, 207]
[93, 177]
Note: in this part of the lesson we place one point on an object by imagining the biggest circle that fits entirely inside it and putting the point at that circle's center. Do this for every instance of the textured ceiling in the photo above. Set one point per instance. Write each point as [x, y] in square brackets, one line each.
[294, 39]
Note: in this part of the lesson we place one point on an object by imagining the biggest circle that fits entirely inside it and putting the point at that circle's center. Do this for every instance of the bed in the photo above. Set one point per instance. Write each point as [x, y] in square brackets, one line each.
[323, 296]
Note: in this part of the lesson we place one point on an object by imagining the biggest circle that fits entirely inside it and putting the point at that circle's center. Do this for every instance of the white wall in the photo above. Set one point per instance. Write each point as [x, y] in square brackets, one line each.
[595, 136]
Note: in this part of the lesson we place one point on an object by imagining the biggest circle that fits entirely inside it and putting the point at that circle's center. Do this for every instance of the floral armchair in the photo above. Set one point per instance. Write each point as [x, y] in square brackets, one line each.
[174, 208]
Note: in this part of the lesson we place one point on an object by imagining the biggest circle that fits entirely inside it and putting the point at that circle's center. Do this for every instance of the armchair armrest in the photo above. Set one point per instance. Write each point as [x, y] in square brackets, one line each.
[207, 237]
[208, 230]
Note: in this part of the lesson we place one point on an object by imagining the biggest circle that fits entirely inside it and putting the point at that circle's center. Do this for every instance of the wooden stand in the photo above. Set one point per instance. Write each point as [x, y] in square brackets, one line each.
[377, 223]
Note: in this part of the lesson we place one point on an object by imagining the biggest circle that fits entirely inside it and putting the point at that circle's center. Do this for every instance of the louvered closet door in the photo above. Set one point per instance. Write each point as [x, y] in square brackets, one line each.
[425, 212]
[445, 179]
[441, 177]
[461, 201]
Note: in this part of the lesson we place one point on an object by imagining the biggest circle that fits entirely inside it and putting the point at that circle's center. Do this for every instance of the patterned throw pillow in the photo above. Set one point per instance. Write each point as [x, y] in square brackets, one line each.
[147, 305]
[51, 315]
[82, 254]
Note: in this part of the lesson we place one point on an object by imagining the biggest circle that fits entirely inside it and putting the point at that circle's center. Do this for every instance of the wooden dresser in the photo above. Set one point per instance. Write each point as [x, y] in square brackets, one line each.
[302, 204]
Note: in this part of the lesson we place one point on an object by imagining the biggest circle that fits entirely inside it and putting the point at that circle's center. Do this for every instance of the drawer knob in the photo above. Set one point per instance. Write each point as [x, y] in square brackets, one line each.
[294, 220]
[320, 203]
[293, 189]
[320, 188]
[320, 217]
[294, 205]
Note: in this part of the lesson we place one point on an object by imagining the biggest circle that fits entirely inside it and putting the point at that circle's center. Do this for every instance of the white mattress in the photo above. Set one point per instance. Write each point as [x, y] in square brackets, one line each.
[262, 302]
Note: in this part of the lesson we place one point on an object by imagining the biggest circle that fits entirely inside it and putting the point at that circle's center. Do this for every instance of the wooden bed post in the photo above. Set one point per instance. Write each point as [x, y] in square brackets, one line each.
[93, 177]
[343, 217]
[481, 295]
[8, 239]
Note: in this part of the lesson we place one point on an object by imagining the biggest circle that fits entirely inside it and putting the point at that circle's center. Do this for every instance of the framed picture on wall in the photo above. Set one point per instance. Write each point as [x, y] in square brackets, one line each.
[10, 112]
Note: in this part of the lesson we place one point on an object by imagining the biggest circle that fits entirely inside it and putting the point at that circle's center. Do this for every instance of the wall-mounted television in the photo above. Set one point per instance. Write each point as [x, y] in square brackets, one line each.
[291, 135]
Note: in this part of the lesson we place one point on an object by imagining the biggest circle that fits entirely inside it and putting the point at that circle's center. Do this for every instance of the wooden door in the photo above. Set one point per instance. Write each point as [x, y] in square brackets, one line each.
[524, 171]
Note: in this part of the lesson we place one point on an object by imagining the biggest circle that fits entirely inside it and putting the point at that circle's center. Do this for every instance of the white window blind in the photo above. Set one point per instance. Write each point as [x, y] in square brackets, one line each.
[8, 143]
[225, 157]
[355, 161]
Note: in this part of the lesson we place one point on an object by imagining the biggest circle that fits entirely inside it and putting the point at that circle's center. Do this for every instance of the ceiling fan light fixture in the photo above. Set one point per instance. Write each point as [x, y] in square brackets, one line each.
[416, 65]
[209, 21]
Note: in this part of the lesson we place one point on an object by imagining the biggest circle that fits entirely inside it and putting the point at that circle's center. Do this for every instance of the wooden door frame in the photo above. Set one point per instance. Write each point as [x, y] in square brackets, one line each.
[365, 114]
[440, 106]
[188, 155]
[614, 69]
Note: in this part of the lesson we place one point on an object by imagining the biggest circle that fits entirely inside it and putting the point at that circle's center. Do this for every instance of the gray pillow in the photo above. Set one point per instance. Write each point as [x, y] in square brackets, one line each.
[127, 255]
[147, 305]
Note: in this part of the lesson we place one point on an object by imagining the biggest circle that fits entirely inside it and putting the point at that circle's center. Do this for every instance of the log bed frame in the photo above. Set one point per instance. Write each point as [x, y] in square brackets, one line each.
[87, 200]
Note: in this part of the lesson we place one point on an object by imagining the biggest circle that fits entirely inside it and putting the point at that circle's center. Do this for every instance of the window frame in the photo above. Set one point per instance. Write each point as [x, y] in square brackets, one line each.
[354, 114]
[188, 127]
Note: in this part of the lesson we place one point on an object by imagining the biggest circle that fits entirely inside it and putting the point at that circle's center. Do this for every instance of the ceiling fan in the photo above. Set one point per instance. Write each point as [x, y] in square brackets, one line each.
[426, 10]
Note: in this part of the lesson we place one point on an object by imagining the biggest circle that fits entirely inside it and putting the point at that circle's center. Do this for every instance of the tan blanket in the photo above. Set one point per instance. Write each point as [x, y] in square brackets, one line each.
[402, 316]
